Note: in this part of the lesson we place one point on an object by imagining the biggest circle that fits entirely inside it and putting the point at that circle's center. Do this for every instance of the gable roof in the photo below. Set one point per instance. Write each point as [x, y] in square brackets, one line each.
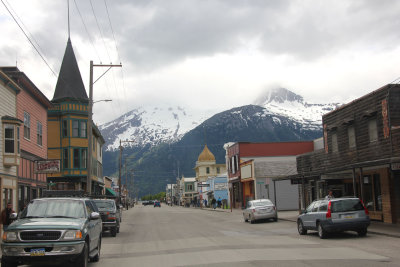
[69, 83]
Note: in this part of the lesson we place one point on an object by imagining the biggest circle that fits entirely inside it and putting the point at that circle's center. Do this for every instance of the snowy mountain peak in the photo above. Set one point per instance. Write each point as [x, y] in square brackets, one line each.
[278, 95]
[284, 102]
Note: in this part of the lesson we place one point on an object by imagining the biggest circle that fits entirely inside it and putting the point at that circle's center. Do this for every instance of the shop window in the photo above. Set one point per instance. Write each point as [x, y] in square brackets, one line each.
[77, 158]
[334, 142]
[39, 134]
[351, 132]
[372, 130]
[83, 129]
[9, 139]
[75, 128]
[27, 125]
[372, 192]
[65, 128]
[65, 159]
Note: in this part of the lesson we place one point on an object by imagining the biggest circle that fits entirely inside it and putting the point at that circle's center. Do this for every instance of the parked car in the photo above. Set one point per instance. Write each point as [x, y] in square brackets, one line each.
[260, 209]
[335, 215]
[157, 204]
[110, 215]
[53, 230]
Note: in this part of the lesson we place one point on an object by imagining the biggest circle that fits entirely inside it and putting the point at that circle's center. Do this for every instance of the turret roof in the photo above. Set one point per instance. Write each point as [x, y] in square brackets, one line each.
[69, 84]
[206, 155]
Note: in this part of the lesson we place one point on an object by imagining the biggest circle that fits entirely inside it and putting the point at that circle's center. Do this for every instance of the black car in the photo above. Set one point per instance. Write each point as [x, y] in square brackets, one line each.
[110, 215]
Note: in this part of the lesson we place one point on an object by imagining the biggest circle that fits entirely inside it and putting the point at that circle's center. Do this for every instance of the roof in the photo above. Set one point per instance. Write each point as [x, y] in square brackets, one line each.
[10, 119]
[206, 155]
[272, 169]
[69, 83]
[25, 83]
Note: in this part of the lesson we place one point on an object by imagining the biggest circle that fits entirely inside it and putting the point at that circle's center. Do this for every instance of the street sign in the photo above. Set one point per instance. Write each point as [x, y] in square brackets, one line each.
[47, 166]
[260, 182]
[203, 185]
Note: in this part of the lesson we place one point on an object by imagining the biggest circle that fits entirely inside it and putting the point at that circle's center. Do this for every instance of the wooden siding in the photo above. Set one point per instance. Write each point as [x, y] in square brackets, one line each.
[7, 108]
[27, 103]
[358, 114]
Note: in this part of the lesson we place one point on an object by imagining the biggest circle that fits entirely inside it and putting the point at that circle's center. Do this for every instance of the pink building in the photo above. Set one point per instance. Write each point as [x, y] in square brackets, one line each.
[32, 107]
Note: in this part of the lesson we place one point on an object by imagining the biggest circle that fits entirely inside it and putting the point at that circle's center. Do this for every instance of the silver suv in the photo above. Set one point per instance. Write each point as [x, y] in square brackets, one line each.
[335, 215]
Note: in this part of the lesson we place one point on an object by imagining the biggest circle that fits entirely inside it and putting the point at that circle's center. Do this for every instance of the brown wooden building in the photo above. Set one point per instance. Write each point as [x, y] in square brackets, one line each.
[361, 155]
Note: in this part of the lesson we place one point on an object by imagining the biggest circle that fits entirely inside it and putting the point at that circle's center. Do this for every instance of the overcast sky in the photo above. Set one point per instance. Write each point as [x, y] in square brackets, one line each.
[208, 54]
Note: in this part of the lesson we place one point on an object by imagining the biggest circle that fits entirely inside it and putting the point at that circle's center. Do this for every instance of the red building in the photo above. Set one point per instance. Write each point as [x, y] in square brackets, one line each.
[32, 107]
[241, 154]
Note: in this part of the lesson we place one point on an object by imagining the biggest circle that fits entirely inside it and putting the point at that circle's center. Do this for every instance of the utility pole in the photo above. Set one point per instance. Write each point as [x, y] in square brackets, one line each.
[120, 166]
[89, 123]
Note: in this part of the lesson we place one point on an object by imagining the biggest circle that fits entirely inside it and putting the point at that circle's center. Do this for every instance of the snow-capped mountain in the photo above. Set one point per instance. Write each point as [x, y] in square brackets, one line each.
[283, 102]
[152, 125]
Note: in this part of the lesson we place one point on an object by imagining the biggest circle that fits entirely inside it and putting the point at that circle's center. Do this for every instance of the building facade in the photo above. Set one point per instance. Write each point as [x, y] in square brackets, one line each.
[361, 155]
[9, 141]
[241, 161]
[68, 132]
[32, 106]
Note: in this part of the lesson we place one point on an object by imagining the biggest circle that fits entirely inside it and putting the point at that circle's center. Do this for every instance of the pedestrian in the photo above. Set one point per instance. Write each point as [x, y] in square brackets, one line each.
[205, 203]
[330, 195]
[5, 216]
[219, 202]
[214, 203]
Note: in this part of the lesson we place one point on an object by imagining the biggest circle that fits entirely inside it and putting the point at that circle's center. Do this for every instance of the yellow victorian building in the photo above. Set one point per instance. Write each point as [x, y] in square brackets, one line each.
[67, 132]
[206, 166]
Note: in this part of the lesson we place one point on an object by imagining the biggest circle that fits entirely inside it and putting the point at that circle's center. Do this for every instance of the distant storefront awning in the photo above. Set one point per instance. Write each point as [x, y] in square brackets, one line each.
[110, 192]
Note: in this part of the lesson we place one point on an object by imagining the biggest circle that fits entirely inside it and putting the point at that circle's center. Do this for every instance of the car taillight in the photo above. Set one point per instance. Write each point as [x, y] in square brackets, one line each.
[365, 209]
[254, 210]
[274, 208]
[329, 213]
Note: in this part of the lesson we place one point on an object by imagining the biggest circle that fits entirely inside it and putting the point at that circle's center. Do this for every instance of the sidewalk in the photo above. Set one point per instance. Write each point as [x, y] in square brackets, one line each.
[378, 228]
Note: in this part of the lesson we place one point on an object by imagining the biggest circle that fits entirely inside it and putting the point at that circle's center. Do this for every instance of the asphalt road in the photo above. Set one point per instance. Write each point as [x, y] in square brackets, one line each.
[177, 236]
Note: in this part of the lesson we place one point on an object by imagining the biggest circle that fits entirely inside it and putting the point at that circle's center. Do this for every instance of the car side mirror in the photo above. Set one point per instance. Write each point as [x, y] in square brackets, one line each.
[94, 216]
[13, 216]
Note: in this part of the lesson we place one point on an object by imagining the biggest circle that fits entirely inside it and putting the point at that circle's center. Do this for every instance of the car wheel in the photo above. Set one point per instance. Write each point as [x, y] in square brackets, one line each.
[321, 232]
[7, 263]
[114, 232]
[275, 219]
[251, 220]
[118, 229]
[300, 228]
[83, 259]
[362, 232]
[97, 257]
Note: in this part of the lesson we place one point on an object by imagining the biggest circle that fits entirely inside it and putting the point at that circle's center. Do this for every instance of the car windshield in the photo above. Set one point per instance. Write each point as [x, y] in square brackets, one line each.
[54, 209]
[103, 205]
[346, 205]
[262, 203]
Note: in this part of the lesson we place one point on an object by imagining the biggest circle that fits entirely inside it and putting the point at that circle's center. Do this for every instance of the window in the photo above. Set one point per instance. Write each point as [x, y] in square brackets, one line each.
[218, 170]
[65, 158]
[9, 139]
[334, 142]
[351, 132]
[315, 207]
[27, 125]
[83, 129]
[84, 158]
[94, 143]
[190, 187]
[208, 170]
[39, 136]
[323, 206]
[75, 128]
[372, 131]
[77, 158]
[372, 192]
[65, 128]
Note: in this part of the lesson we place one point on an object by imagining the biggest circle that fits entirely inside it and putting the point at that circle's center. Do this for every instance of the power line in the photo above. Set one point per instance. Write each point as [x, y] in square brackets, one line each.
[30, 41]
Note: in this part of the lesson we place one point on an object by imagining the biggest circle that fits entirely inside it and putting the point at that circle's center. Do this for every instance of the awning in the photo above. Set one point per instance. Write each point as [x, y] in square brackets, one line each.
[110, 192]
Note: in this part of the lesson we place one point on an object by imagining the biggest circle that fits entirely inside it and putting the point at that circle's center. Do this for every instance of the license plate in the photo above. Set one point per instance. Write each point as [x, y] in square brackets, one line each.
[348, 216]
[37, 252]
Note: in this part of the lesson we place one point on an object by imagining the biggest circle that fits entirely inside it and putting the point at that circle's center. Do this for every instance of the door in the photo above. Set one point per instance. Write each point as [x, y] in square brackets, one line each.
[307, 217]
[93, 226]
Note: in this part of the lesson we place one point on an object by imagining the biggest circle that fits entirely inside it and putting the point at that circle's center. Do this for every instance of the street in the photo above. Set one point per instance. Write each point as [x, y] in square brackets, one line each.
[177, 236]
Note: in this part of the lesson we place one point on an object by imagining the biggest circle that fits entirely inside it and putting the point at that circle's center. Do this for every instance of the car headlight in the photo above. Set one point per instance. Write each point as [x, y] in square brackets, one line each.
[9, 236]
[72, 235]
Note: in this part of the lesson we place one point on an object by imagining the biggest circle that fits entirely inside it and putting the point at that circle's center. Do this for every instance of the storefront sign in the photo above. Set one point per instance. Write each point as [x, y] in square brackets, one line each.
[396, 166]
[220, 186]
[47, 166]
